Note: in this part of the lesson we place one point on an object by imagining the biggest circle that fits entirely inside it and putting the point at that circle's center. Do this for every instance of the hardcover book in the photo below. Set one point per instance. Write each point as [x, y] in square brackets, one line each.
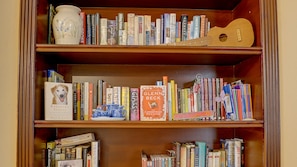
[152, 103]
[58, 101]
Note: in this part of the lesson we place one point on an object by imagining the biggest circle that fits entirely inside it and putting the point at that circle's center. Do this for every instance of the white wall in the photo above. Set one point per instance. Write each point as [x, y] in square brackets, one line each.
[9, 33]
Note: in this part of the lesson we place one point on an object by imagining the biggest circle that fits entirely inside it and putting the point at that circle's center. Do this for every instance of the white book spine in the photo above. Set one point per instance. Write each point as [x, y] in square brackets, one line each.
[95, 152]
[103, 31]
[136, 30]
[130, 20]
[121, 28]
[172, 21]
[158, 31]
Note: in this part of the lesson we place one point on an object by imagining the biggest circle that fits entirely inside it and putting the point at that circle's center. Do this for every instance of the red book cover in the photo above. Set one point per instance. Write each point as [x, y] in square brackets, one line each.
[153, 103]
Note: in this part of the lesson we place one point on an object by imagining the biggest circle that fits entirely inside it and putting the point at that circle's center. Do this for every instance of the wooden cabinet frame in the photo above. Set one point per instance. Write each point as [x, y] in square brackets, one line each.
[270, 67]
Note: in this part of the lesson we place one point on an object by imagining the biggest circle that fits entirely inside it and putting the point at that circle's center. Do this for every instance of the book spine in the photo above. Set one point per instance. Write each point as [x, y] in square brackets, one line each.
[172, 27]
[147, 28]
[184, 27]
[93, 29]
[126, 100]
[158, 32]
[91, 100]
[89, 29]
[75, 140]
[97, 27]
[103, 31]
[136, 30]
[95, 152]
[84, 28]
[86, 100]
[111, 32]
[117, 95]
[130, 33]
[134, 104]
[202, 25]
[167, 28]
[196, 25]
[51, 14]
[109, 95]
[78, 97]
[74, 88]
[121, 28]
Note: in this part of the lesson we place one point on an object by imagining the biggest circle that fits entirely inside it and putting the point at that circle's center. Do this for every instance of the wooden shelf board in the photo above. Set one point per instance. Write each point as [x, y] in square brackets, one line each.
[148, 124]
[92, 54]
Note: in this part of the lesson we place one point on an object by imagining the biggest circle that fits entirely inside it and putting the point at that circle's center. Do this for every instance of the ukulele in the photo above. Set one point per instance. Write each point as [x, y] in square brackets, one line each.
[238, 33]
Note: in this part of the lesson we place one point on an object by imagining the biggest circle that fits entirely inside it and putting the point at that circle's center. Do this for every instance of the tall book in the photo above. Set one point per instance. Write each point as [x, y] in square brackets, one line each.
[167, 28]
[58, 99]
[172, 20]
[96, 153]
[84, 28]
[103, 31]
[126, 100]
[147, 28]
[134, 104]
[130, 33]
[184, 27]
[141, 33]
[51, 14]
[121, 28]
[111, 32]
[202, 153]
[153, 103]
[158, 32]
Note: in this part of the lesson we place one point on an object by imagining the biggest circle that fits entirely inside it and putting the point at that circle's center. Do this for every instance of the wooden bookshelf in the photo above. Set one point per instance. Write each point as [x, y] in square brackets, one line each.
[136, 65]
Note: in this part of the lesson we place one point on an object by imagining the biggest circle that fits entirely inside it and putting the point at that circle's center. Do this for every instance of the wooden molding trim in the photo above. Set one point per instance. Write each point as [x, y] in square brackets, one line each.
[271, 83]
[25, 143]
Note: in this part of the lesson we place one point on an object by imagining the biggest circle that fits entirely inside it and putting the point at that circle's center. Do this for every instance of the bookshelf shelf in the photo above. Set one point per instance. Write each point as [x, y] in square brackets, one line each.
[148, 124]
[92, 54]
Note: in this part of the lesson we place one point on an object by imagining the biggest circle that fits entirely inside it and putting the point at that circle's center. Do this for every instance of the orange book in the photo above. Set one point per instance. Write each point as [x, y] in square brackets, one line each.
[153, 103]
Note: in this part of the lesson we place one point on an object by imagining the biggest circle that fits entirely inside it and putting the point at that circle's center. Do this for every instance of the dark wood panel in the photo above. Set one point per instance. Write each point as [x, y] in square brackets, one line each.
[194, 4]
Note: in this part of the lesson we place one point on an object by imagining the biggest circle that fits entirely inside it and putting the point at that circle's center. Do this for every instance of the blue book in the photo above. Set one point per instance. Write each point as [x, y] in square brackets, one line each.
[196, 26]
[202, 153]
[229, 102]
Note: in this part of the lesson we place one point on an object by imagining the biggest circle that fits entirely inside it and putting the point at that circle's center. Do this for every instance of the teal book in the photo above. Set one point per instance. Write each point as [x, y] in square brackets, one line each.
[202, 153]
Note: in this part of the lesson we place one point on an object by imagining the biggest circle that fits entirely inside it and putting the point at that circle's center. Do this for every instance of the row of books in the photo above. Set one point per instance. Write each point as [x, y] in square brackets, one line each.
[198, 154]
[205, 98]
[138, 29]
[80, 151]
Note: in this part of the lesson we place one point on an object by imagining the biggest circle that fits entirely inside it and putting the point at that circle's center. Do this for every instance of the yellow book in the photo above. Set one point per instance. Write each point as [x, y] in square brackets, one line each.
[126, 100]
[172, 82]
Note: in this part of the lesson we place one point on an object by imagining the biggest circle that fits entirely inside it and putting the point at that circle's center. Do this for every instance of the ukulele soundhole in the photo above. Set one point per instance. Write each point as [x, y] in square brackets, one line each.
[223, 37]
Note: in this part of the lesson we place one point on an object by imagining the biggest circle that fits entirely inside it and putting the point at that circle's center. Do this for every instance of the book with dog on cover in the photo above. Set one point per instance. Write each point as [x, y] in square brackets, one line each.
[153, 103]
[58, 101]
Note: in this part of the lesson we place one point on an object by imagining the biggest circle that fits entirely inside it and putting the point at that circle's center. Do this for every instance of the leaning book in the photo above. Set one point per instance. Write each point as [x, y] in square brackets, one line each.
[58, 101]
[152, 103]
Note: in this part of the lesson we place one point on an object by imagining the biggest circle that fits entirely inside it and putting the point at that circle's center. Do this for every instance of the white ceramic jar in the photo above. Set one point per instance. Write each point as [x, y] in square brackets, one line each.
[67, 25]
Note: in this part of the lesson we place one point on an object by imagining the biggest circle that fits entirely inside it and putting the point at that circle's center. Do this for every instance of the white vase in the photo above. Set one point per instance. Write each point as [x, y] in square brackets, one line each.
[67, 25]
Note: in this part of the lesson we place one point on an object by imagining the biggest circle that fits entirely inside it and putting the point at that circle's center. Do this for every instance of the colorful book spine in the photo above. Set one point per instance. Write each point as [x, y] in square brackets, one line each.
[134, 104]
